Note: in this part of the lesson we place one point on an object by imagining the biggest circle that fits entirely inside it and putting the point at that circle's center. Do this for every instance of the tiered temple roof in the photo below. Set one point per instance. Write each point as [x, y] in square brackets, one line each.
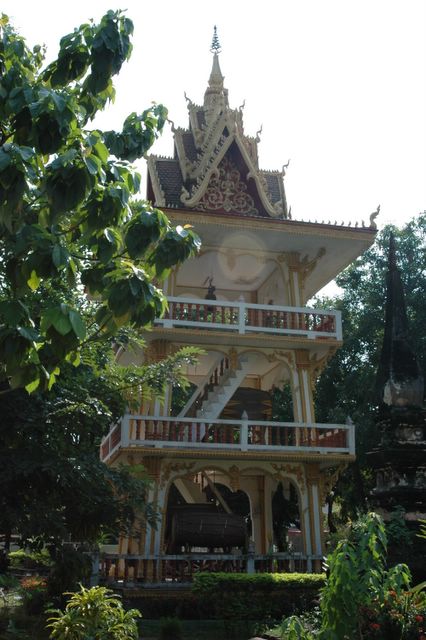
[215, 166]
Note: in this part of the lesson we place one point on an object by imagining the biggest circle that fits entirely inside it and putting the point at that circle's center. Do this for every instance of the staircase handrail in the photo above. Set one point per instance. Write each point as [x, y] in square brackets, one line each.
[200, 390]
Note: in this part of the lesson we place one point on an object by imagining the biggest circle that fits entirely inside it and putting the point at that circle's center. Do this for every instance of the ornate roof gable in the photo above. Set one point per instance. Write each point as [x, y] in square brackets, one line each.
[215, 165]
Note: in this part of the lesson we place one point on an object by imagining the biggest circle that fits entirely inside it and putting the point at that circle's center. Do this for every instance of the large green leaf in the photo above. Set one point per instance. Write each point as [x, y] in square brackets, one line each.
[77, 324]
[5, 159]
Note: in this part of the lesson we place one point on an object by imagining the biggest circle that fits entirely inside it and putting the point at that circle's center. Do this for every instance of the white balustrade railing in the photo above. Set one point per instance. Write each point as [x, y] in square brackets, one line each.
[237, 435]
[132, 569]
[243, 317]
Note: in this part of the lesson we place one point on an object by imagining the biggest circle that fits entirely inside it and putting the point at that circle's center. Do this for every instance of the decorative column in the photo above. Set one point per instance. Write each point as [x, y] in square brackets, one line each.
[304, 372]
[303, 395]
[313, 482]
[151, 542]
[254, 487]
[308, 368]
[269, 487]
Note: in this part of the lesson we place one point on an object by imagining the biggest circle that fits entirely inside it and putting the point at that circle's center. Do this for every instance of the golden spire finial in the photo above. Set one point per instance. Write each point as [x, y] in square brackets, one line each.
[216, 96]
[215, 48]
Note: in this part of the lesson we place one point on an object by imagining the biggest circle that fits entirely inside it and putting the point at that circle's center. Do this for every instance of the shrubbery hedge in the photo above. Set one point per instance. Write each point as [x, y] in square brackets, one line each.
[259, 596]
[233, 596]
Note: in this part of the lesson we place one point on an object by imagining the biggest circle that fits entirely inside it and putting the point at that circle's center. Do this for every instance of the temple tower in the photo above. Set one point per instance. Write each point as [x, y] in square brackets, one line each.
[236, 489]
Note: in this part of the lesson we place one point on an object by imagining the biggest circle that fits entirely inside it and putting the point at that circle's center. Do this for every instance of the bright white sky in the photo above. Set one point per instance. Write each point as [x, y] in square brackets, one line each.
[339, 86]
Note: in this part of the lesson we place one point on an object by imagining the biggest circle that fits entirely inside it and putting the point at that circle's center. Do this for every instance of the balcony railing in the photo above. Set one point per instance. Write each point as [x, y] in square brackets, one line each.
[132, 570]
[242, 318]
[232, 435]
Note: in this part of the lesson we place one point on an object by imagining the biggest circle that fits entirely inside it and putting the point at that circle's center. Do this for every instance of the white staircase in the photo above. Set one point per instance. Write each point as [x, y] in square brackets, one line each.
[218, 398]
[216, 389]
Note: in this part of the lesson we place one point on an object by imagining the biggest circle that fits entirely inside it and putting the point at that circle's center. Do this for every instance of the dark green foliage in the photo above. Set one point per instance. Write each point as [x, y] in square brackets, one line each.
[361, 597]
[347, 387]
[54, 486]
[397, 531]
[53, 483]
[68, 214]
[282, 404]
[94, 613]
[70, 569]
[256, 596]
[29, 559]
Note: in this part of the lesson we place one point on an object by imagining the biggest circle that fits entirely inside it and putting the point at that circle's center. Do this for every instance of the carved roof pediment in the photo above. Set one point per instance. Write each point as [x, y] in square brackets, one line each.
[212, 154]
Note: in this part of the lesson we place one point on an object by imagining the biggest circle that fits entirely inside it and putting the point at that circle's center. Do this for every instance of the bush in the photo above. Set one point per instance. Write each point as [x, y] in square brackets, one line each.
[397, 531]
[29, 559]
[361, 597]
[94, 613]
[262, 596]
[70, 569]
[8, 582]
[292, 628]
[401, 616]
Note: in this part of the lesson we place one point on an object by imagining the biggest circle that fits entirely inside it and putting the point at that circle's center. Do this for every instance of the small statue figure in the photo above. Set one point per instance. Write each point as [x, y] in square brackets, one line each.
[210, 295]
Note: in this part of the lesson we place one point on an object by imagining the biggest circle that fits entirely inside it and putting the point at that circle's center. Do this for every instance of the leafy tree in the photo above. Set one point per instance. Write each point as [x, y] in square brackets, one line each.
[54, 486]
[347, 386]
[67, 218]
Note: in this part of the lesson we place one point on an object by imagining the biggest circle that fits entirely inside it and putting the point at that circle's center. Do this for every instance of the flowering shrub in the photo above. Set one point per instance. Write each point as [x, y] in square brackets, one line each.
[400, 616]
[32, 583]
[33, 590]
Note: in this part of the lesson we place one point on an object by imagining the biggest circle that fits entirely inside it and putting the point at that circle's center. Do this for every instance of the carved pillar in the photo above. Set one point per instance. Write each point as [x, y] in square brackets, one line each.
[304, 371]
[269, 487]
[295, 281]
[255, 489]
[313, 481]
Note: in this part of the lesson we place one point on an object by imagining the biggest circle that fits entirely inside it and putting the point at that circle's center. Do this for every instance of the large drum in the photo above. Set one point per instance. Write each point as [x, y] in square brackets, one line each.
[202, 525]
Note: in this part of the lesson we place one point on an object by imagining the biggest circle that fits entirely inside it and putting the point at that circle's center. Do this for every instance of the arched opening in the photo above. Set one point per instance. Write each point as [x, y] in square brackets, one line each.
[206, 516]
